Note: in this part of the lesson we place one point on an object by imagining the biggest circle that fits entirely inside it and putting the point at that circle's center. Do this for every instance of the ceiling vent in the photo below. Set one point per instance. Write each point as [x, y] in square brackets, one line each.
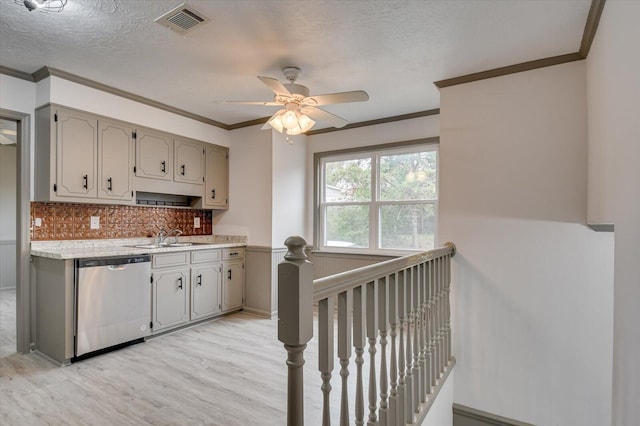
[182, 19]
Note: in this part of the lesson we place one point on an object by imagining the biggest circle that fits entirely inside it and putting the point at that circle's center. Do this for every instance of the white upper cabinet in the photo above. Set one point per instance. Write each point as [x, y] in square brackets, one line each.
[115, 160]
[82, 157]
[189, 161]
[154, 154]
[77, 146]
[216, 191]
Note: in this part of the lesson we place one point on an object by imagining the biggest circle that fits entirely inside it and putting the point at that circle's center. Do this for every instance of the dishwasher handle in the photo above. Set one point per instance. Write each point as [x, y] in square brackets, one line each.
[117, 267]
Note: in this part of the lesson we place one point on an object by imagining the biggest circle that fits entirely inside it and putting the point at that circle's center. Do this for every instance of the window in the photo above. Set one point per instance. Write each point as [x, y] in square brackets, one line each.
[378, 199]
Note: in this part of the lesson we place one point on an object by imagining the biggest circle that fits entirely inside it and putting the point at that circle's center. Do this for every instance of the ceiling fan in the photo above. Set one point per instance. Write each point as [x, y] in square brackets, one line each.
[300, 110]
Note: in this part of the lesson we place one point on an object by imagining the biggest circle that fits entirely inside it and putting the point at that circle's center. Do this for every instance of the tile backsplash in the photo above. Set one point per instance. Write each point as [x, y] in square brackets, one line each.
[70, 221]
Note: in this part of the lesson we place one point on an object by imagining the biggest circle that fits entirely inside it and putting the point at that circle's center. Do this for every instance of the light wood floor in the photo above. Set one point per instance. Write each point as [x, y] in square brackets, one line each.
[226, 372]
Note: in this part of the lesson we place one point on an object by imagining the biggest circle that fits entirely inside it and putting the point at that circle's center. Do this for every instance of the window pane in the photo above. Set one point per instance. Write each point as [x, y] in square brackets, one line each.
[408, 176]
[347, 226]
[407, 226]
[348, 180]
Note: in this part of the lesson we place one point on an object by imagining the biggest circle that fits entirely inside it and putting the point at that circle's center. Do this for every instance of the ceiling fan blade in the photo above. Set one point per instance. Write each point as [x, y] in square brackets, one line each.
[337, 98]
[270, 103]
[273, 84]
[324, 116]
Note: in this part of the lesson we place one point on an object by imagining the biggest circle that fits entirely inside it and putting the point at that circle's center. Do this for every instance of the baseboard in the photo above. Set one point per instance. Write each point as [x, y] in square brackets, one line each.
[467, 416]
[259, 313]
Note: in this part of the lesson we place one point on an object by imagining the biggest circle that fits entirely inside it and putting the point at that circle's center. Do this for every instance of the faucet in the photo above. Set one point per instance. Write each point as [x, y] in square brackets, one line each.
[163, 236]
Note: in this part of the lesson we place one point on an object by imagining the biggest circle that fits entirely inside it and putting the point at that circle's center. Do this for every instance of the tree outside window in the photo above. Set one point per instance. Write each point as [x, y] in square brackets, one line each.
[379, 200]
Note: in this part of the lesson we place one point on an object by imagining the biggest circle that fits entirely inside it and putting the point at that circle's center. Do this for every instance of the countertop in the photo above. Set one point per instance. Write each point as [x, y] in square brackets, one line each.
[77, 249]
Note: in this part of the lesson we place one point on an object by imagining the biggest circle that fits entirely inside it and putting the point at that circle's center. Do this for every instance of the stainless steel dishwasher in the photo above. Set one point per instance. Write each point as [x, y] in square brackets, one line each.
[113, 301]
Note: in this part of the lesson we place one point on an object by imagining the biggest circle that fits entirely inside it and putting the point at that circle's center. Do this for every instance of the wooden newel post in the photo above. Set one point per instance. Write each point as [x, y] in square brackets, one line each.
[295, 320]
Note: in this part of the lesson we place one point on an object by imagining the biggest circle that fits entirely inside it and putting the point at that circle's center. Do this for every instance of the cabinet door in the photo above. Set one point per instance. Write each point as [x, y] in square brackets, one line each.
[154, 155]
[115, 160]
[232, 291]
[170, 300]
[189, 164]
[205, 291]
[216, 191]
[77, 146]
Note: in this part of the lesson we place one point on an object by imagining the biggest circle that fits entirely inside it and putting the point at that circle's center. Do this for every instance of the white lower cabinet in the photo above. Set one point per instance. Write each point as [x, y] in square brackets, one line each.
[191, 286]
[233, 278]
[205, 291]
[170, 301]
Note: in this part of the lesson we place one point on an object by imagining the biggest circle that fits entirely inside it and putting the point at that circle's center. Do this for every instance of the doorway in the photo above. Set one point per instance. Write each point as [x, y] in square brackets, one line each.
[8, 199]
[17, 125]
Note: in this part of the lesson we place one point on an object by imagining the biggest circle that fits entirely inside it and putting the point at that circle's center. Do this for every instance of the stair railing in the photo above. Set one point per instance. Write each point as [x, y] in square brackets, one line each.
[399, 308]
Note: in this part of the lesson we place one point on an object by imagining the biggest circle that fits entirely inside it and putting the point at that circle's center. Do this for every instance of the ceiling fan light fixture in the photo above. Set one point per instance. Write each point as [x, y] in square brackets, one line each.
[291, 121]
[43, 5]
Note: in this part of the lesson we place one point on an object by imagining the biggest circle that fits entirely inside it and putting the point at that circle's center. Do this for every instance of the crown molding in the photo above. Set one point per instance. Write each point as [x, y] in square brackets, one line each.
[392, 119]
[15, 73]
[589, 33]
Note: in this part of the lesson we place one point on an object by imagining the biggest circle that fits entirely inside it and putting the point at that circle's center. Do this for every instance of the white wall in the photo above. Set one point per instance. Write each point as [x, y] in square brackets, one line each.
[399, 131]
[533, 302]
[613, 82]
[250, 187]
[7, 192]
[289, 187]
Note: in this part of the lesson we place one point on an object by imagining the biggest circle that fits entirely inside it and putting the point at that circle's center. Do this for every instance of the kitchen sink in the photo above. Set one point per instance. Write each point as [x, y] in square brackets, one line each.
[157, 246]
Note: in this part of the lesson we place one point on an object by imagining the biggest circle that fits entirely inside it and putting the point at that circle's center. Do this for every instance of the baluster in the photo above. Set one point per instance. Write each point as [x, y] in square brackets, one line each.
[416, 334]
[427, 338]
[440, 321]
[423, 324]
[408, 394]
[371, 336]
[402, 314]
[448, 298]
[325, 356]
[382, 326]
[393, 368]
[344, 352]
[358, 344]
[432, 324]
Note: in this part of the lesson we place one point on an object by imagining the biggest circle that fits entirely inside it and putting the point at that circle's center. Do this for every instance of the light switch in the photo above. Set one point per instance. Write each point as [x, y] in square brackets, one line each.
[95, 222]
[196, 222]
[38, 221]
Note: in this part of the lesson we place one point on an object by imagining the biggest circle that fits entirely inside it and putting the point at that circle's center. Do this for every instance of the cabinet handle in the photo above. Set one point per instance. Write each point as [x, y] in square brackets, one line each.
[199, 280]
[110, 184]
[213, 194]
[164, 166]
[235, 253]
[229, 274]
[85, 181]
[182, 170]
[180, 281]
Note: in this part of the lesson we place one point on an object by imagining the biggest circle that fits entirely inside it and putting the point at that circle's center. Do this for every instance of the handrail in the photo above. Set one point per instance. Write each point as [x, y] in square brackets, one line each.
[405, 299]
[337, 283]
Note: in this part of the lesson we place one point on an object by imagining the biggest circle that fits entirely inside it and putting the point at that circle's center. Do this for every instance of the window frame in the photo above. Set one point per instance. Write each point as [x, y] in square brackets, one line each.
[373, 151]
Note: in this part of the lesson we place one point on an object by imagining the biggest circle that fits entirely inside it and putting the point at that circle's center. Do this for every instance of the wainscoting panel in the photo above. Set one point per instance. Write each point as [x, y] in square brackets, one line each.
[261, 280]
[326, 264]
[7, 264]
[467, 416]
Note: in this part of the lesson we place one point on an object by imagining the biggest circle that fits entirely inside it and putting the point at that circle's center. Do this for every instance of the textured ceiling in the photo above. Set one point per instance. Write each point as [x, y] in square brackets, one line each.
[394, 50]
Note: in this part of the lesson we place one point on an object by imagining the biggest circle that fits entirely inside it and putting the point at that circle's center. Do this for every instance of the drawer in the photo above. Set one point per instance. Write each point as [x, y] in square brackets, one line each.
[200, 256]
[233, 253]
[170, 259]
